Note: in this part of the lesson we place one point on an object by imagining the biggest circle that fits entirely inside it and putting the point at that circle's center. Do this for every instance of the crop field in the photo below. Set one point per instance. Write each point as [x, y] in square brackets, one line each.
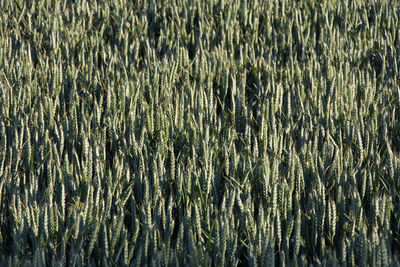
[199, 133]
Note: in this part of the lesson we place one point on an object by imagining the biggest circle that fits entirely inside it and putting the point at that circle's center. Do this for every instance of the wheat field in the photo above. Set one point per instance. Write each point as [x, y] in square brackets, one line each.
[199, 133]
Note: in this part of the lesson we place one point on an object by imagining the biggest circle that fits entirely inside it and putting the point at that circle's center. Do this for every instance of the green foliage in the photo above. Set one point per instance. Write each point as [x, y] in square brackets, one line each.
[165, 133]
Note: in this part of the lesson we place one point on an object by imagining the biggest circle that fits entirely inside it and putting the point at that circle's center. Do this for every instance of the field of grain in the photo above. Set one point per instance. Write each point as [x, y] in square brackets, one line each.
[199, 133]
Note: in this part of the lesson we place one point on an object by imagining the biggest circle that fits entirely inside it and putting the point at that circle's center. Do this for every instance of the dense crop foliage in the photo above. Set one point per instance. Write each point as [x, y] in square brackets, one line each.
[171, 132]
